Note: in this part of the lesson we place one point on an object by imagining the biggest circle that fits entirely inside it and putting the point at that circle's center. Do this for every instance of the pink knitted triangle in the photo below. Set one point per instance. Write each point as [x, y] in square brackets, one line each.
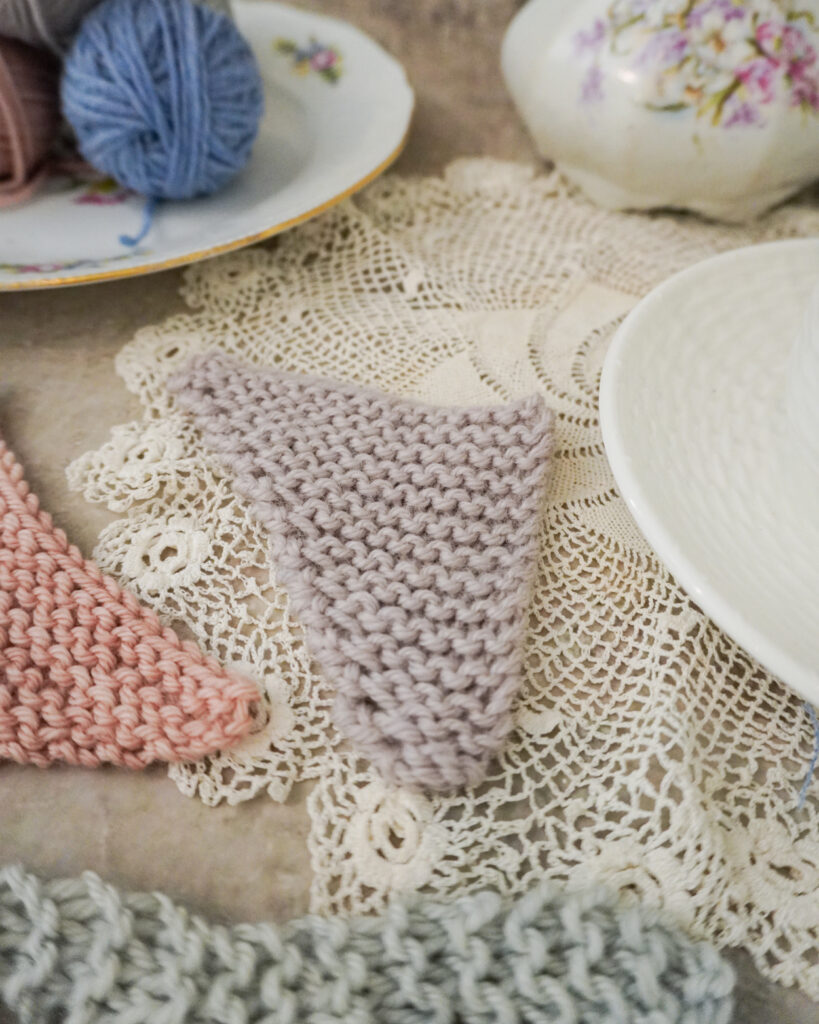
[406, 538]
[87, 675]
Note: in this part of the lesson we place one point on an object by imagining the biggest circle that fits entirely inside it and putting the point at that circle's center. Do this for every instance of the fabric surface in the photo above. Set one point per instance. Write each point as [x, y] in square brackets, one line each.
[648, 749]
[88, 676]
[406, 537]
[79, 947]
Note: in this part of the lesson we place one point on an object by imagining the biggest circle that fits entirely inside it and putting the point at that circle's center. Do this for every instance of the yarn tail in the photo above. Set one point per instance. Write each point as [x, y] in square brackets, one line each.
[803, 793]
[147, 224]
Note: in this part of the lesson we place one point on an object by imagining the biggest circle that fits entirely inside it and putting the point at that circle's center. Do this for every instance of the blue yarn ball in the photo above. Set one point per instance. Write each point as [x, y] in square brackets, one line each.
[163, 95]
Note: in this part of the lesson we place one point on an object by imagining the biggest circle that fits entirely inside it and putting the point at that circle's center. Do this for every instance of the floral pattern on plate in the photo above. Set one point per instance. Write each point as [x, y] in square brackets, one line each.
[105, 192]
[323, 60]
[58, 268]
[724, 59]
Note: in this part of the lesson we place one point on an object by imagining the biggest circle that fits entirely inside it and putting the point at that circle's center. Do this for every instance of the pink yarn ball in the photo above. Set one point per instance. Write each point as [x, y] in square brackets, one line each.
[29, 116]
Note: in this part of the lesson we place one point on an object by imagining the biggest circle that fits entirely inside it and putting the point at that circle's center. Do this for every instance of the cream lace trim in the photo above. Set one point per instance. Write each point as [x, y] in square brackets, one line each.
[650, 751]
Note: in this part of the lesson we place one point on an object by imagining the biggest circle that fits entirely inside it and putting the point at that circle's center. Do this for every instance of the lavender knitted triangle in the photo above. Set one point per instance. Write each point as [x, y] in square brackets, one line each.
[406, 536]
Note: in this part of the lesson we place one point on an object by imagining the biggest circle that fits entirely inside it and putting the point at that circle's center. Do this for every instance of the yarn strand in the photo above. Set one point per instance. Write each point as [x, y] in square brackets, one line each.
[803, 793]
[44, 31]
[27, 128]
[148, 215]
[47, 24]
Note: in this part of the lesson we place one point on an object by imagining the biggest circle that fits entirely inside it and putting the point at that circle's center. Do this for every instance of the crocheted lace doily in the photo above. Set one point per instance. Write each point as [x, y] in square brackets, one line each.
[650, 751]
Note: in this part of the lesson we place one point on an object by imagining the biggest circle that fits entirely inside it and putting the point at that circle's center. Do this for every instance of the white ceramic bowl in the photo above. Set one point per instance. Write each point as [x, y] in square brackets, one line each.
[695, 418]
[803, 381]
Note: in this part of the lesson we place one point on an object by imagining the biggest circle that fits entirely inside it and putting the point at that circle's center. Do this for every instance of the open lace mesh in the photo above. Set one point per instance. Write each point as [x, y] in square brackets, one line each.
[649, 751]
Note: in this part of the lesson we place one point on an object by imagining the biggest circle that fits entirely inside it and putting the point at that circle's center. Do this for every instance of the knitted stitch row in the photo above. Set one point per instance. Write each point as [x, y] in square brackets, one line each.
[80, 951]
[406, 536]
[87, 675]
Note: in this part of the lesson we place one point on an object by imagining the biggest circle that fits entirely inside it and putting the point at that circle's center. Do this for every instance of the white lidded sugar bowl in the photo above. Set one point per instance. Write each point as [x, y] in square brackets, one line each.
[708, 105]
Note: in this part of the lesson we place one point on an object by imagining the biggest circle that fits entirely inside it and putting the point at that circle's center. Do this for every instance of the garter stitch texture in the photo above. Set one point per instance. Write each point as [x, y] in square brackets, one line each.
[79, 950]
[406, 538]
[87, 675]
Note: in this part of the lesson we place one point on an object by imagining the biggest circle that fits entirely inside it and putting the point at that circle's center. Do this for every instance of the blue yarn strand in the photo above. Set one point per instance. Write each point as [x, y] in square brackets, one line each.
[803, 793]
[147, 224]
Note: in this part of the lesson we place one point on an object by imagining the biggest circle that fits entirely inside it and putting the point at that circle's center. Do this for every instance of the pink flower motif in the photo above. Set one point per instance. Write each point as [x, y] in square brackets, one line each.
[741, 114]
[591, 88]
[795, 47]
[769, 38]
[100, 199]
[590, 39]
[727, 8]
[759, 78]
[323, 60]
[805, 91]
[722, 58]
[665, 49]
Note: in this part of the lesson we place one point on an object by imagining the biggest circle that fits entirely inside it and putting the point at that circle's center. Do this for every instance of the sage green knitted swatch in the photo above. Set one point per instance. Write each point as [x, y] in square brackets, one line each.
[77, 950]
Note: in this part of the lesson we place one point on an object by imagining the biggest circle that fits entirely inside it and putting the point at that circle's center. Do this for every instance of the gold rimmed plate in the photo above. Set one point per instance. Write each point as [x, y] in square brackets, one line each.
[338, 109]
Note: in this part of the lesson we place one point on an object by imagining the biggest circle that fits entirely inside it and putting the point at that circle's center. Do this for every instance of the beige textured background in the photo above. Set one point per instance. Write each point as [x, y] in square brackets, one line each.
[59, 396]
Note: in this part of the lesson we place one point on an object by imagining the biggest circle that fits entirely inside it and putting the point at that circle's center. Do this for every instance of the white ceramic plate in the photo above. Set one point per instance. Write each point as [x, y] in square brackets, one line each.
[338, 109]
[696, 430]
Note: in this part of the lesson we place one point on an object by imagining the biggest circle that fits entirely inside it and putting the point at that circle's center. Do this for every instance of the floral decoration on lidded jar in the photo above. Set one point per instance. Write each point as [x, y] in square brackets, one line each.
[711, 105]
